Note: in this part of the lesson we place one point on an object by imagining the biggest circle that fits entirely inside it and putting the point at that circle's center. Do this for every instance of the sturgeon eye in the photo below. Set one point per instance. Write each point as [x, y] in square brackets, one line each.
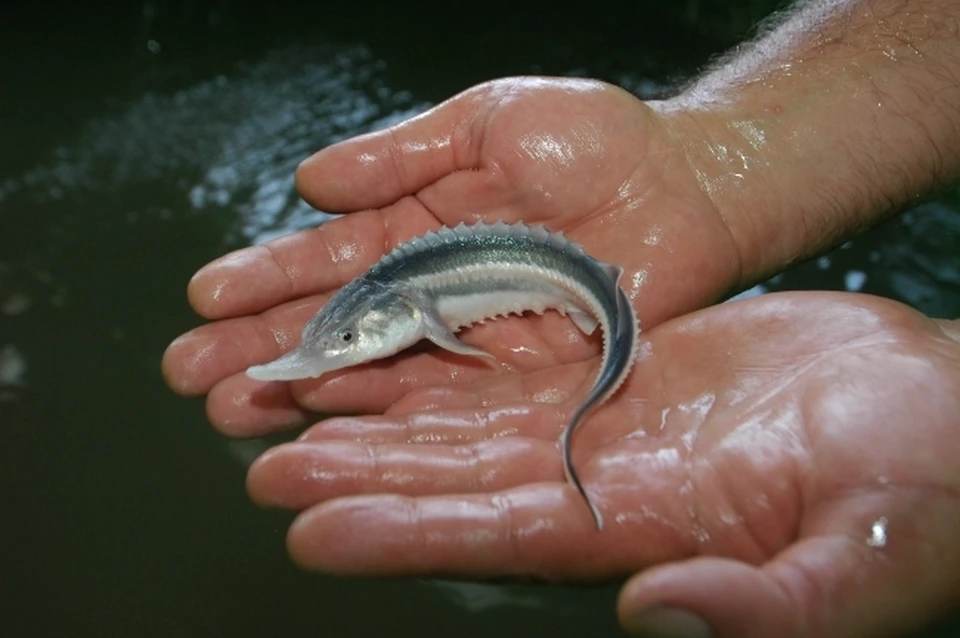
[346, 336]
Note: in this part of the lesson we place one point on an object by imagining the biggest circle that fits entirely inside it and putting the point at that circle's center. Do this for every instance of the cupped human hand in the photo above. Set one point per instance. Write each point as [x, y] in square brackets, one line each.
[784, 465]
[781, 465]
[578, 156]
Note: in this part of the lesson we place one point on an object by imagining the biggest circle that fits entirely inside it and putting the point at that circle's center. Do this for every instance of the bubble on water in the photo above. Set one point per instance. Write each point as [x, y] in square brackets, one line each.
[232, 142]
[854, 280]
[756, 291]
[13, 366]
[246, 451]
[922, 264]
[15, 304]
[476, 597]
[642, 87]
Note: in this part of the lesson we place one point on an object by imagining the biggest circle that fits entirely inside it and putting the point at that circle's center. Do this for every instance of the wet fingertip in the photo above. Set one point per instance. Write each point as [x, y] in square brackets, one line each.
[300, 175]
[261, 478]
[170, 368]
[183, 362]
[205, 288]
[228, 285]
[255, 411]
[356, 535]
[309, 180]
[289, 476]
[315, 539]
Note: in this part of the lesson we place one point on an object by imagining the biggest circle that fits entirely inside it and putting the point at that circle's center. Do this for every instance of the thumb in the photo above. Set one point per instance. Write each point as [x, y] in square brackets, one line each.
[823, 586]
[377, 169]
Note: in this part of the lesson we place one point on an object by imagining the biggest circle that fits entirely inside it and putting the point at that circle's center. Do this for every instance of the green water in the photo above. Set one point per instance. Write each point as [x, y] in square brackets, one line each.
[140, 143]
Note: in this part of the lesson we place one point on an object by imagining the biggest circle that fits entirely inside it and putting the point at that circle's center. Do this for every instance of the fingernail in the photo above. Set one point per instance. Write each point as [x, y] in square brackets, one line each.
[668, 622]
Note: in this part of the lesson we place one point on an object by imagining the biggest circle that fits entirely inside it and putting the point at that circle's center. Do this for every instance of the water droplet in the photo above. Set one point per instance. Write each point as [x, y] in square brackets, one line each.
[654, 235]
[663, 418]
[637, 282]
[878, 533]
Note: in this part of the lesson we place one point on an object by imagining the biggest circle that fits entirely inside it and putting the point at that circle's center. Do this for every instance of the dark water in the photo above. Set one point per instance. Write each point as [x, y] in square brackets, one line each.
[139, 143]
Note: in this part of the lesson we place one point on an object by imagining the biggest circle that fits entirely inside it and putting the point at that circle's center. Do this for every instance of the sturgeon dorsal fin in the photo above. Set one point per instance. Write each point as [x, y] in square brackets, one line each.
[500, 228]
[539, 233]
[446, 234]
[431, 238]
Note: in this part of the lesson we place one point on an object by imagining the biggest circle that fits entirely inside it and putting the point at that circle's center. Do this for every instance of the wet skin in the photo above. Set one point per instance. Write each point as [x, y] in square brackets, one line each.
[759, 441]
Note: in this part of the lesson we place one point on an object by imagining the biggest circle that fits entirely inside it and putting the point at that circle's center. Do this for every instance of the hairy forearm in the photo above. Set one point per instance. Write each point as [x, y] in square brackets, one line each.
[842, 112]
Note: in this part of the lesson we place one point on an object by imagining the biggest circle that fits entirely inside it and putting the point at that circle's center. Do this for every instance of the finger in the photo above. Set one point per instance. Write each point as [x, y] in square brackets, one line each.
[562, 385]
[827, 585]
[196, 361]
[298, 475]
[483, 408]
[241, 407]
[373, 170]
[702, 598]
[448, 426]
[541, 530]
[554, 383]
[529, 404]
[304, 263]
[434, 157]
[517, 344]
[409, 382]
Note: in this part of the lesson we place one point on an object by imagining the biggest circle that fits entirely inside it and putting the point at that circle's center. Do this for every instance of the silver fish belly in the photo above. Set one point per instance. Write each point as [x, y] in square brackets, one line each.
[432, 286]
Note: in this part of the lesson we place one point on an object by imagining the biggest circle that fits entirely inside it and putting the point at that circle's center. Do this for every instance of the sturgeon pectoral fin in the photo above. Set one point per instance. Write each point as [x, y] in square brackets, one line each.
[584, 321]
[436, 330]
[440, 334]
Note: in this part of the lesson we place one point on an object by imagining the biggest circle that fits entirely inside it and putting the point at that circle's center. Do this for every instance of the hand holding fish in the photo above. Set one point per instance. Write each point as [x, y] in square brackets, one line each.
[785, 465]
[763, 473]
[577, 168]
[759, 462]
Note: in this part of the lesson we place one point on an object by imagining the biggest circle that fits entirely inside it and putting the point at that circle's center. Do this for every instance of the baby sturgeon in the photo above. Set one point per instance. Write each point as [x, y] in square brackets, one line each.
[432, 286]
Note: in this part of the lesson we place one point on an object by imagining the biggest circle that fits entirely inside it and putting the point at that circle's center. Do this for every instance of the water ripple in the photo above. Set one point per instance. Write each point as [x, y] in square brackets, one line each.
[230, 143]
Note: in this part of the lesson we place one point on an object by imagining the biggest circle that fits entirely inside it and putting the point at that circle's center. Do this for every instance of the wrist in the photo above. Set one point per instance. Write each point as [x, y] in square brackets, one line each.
[785, 192]
[824, 126]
